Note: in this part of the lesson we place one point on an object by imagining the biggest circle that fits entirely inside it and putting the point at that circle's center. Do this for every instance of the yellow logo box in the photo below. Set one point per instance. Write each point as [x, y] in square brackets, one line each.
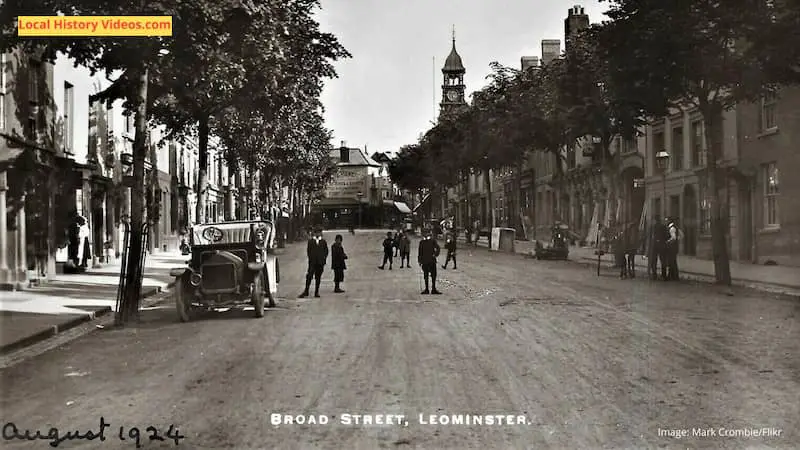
[86, 26]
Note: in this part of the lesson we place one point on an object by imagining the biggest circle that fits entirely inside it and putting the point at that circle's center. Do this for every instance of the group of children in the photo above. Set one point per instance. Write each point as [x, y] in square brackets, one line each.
[394, 244]
[400, 243]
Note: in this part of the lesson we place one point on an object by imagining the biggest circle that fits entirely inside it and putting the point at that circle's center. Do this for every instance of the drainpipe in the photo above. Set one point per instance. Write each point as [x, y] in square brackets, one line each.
[752, 181]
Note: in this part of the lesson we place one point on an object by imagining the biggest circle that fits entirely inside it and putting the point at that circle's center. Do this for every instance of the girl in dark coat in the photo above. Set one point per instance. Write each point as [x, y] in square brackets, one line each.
[338, 265]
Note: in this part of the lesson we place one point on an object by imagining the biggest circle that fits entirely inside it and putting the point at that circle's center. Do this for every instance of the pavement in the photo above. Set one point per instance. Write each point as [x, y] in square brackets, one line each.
[40, 312]
[775, 279]
[587, 361]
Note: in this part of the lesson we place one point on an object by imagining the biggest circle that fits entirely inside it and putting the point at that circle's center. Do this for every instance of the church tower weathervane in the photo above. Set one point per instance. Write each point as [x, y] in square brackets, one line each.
[453, 86]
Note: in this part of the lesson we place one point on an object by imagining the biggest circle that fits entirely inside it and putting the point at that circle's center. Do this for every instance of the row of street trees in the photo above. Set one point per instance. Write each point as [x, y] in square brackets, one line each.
[648, 57]
[249, 72]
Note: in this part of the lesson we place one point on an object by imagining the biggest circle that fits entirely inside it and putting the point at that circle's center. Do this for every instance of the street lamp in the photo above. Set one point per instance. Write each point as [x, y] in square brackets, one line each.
[359, 195]
[662, 161]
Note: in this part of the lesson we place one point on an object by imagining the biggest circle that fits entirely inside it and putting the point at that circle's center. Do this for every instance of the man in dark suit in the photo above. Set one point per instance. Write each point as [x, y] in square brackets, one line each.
[426, 257]
[317, 251]
[658, 248]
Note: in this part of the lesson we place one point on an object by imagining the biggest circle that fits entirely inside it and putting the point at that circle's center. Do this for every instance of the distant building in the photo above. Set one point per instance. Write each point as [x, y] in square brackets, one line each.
[348, 195]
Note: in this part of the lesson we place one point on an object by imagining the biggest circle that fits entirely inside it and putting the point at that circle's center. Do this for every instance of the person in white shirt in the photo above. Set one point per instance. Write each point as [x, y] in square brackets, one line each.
[673, 246]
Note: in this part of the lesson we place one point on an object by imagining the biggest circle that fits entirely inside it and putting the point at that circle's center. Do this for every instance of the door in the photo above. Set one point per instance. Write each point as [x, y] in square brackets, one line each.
[689, 221]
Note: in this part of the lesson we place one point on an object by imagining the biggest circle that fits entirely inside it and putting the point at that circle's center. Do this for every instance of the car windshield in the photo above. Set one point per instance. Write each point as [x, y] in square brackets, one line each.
[229, 232]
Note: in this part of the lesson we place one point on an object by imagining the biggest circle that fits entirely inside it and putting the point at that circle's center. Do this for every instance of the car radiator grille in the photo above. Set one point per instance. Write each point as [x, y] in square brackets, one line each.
[219, 276]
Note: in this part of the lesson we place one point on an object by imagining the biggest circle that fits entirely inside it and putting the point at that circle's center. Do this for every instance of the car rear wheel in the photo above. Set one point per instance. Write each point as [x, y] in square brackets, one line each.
[183, 302]
[257, 296]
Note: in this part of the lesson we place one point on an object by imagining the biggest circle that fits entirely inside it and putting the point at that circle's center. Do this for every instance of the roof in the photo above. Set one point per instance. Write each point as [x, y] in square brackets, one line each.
[453, 62]
[357, 158]
[381, 157]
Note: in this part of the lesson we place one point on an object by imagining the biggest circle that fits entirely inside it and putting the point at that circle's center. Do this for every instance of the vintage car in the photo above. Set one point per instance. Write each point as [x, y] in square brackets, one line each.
[232, 264]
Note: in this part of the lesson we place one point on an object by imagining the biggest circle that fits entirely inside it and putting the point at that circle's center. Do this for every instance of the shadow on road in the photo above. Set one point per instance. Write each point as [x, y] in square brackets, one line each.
[164, 316]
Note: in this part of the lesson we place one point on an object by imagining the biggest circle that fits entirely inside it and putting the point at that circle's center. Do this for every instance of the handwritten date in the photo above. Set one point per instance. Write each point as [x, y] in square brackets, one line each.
[56, 437]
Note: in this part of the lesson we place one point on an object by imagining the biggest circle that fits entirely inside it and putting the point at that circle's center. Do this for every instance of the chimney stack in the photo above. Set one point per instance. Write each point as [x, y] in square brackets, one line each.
[577, 20]
[551, 49]
[529, 61]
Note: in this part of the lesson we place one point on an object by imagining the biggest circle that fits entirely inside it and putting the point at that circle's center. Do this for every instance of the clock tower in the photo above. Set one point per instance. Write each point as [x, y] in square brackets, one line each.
[453, 95]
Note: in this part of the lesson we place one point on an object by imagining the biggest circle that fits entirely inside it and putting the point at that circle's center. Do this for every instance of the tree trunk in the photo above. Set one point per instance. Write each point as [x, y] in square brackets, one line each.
[132, 295]
[202, 170]
[712, 116]
[517, 211]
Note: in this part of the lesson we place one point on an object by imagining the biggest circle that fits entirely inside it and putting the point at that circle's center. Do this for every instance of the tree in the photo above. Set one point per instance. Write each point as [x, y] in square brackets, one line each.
[596, 105]
[266, 56]
[703, 53]
[410, 169]
[134, 58]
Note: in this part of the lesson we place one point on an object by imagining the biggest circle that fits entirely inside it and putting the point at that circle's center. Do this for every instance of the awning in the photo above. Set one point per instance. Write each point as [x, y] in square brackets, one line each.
[400, 206]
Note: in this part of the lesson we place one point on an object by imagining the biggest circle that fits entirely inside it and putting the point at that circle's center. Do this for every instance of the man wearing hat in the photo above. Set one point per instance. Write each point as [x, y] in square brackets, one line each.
[317, 252]
[674, 236]
[426, 257]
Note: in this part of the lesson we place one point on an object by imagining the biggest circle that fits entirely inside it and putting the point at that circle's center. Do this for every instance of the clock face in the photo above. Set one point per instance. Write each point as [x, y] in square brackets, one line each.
[452, 96]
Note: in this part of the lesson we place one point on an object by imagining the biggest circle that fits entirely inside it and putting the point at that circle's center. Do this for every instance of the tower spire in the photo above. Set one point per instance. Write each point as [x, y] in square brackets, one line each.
[454, 35]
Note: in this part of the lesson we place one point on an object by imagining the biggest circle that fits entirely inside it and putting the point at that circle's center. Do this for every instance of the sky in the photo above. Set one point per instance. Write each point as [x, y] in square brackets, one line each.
[384, 96]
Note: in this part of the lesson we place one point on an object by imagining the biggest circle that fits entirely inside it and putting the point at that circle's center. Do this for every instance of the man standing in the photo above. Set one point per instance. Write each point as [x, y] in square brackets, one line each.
[672, 247]
[450, 246]
[426, 257]
[317, 252]
[658, 247]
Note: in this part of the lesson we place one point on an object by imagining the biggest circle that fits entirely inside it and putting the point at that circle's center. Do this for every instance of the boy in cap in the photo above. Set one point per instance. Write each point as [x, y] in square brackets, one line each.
[426, 257]
[317, 252]
[337, 263]
[388, 251]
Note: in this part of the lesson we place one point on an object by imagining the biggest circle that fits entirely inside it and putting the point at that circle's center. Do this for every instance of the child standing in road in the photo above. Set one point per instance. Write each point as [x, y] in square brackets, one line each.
[388, 251]
[404, 244]
[338, 256]
[450, 246]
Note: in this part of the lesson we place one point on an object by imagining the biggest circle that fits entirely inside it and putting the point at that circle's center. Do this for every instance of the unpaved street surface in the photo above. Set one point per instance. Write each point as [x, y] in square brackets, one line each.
[590, 362]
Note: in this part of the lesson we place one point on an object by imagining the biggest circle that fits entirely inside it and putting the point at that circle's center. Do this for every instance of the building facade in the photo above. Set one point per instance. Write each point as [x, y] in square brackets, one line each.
[353, 195]
[50, 130]
[769, 215]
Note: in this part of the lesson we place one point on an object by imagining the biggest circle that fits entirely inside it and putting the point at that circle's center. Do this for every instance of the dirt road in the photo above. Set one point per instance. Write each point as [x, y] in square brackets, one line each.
[590, 362]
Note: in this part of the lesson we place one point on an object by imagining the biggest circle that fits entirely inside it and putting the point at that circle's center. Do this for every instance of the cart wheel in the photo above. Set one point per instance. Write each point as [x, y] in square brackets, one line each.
[183, 303]
[257, 296]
